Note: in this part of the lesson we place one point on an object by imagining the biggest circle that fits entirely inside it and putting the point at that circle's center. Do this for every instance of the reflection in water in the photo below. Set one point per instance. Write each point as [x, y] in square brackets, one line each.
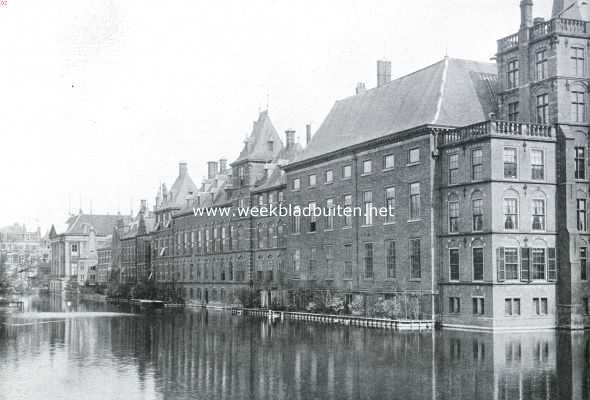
[202, 354]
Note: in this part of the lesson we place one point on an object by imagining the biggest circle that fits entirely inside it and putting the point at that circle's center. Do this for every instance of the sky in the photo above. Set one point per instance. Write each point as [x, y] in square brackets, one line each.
[101, 99]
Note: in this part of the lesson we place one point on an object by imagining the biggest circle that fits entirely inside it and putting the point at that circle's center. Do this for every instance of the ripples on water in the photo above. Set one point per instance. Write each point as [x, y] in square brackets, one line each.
[90, 351]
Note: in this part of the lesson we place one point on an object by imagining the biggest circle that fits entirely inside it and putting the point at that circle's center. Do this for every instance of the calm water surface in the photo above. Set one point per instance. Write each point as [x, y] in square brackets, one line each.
[96, 351]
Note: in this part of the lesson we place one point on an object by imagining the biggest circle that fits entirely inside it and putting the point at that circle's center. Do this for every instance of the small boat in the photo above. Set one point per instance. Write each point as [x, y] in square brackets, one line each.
[149, 305]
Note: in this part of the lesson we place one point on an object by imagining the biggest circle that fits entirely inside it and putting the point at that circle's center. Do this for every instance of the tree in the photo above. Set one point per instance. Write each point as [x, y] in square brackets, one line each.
[5, 284]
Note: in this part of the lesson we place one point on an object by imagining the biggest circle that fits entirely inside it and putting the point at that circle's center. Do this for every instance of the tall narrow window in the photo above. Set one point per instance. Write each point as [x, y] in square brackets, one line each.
[388, 161]
[510, 163]
[390, 204]
[577, 55]
[581, 214]
[330, 211]
[297, 260]
[367, 167]
[584, 263]
[329, 176]
[296, 184]
[478, 265]
[330, 261]
[510, 214]
[537, 165]
[477, 208]
[578, 114]
[415, 262]
[539, 264]
[512, 74]
[538, 215]
[346, 172]
[476, 165]
[454, 265]
[296, 220]
[414, 201]
[453, 216]
[543, 109]
[511, 263]
[312, 263]
[347, 212]
[580, 172]
[541, 64]
[390, 258]
[313, 219]
[348, 261]
[513, 111]
[414, 156]
[368, 207]
[368, 260]
[453, 169]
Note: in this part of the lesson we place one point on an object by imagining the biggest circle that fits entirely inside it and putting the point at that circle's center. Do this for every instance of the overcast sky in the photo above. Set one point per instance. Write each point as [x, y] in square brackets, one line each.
[100, 99]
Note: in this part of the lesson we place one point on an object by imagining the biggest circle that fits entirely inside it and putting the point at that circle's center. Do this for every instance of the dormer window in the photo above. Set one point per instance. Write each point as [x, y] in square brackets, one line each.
[271, 145]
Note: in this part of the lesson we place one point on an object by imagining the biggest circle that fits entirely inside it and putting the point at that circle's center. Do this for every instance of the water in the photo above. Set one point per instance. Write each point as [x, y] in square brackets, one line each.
[97, 351]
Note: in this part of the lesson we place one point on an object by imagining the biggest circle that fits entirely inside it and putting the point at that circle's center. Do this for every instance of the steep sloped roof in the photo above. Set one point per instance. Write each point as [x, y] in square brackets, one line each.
[256, 146]
[182, 188]
[450, 92]
[276, 174]
[102, 224]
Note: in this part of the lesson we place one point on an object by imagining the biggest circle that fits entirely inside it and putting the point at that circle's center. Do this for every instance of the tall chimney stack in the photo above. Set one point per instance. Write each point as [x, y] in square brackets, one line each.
[211, 169]
[182, 168]
[526, 14]
[307, 133]
[290, 138]
[143, 206]
[222, 165]
[383, 72]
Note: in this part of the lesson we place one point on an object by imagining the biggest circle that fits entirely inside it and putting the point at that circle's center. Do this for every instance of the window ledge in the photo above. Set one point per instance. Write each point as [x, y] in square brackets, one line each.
[329, 183]
[346, 227]
[413, 164]
[367, 226]
[388, 169]
[415, 220]
[366, 174]
[389, 223]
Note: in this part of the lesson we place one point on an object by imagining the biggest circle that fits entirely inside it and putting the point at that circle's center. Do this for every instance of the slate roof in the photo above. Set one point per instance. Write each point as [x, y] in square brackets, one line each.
[571, 9]
[451, 92]
[182, 188]
[256, 146]
[276, 174]
[103, 224]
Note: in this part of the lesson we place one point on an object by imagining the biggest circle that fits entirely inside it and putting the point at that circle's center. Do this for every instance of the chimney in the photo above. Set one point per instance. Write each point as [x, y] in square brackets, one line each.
[360, 88]
[307, 133]
[290, 138]
[383, 72]
[211, 169]
[526, 14]
[143, 205]
[222, 165]
[182, 168]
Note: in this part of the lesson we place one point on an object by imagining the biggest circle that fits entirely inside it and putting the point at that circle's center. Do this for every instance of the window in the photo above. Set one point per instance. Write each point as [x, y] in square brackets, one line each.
[541, 65]
[312, 180]
[538, 256]
[577, 55]
[580, 163]
[313, 219]
[453, 169]
[330, 214]
[415, 266]
[513, 111]
[414, 156]
[512, 74]
[542, 108]
[511, 307]
[453, 216]
[281, 197]
[368, 260]
[270, 145]
[297, 260]
[390, 258]
[390, 204]
[329, 177]
[330, 261]
[540, 306]
[454, 265]
[454, 305]
[478, 264]
[478, 305]
[584, 263]
[476, 164]
[511, 263]
[510, 162]
[581, 214]
[296, 184]
[296, 219]
[367, 167]
[348, 210]
[261, 199]
[389, 161]
[537, 165]
[74, 247]
[346, 172]
[578, 107]
[368, 207]
[510, 214]
[477, 210]
[414, 201]
[538, 215]
[348, 261]
[586, 302]
[242, 175]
